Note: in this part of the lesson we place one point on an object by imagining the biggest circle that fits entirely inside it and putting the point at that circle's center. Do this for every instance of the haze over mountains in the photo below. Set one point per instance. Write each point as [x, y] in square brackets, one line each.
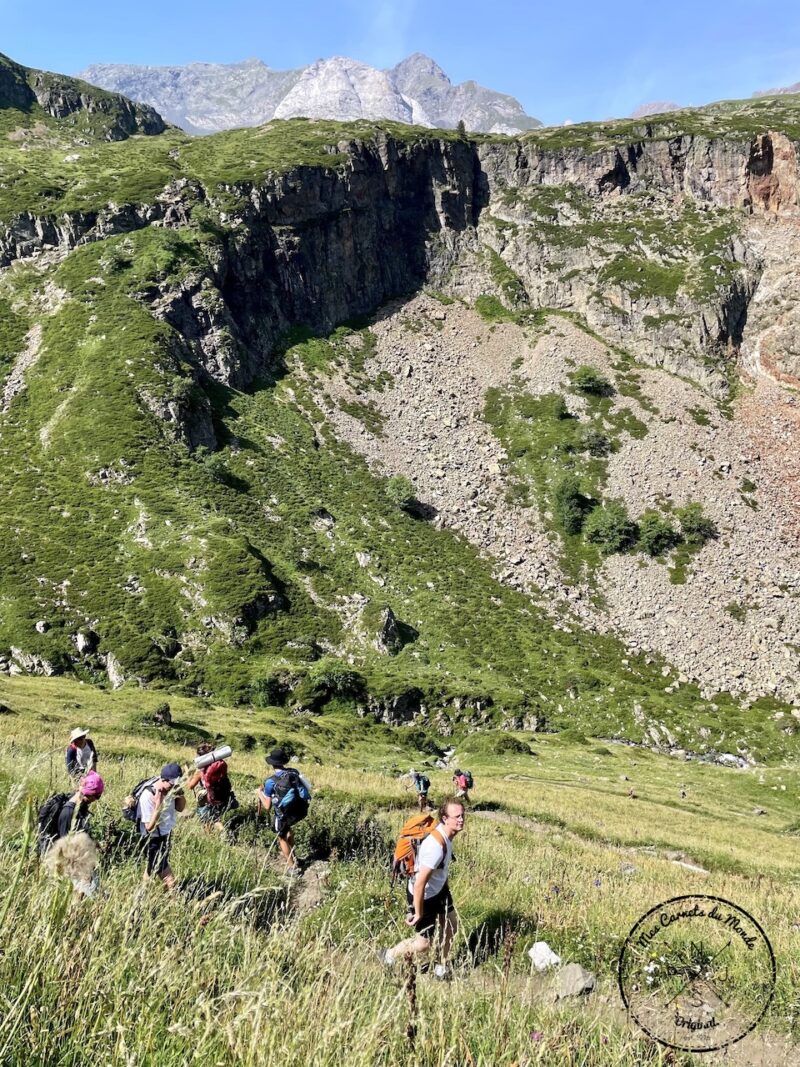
[209, 97]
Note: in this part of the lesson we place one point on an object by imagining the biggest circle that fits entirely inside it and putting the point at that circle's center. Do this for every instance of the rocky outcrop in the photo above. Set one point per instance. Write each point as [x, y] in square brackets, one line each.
[60, 96]
[26, 234]
[772, 175]
[317, 246]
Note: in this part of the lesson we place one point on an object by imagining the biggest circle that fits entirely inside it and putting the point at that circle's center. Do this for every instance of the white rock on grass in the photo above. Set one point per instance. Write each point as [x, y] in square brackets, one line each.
[543, 957]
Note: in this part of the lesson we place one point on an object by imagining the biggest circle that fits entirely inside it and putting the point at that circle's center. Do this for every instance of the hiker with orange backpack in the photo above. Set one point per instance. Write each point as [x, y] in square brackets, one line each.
[216, 796]
[424, 853]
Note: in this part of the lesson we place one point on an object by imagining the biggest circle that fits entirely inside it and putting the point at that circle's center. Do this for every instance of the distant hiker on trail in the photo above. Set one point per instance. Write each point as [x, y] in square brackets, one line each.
[462, 783]
[216, 796]
[81, 754]
[64, 835]
[430, 905]
[159, 801]
[421, 784]
[286, 794]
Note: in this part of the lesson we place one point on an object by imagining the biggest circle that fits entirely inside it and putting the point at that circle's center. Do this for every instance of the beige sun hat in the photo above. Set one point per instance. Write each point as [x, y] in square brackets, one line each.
[76, 733]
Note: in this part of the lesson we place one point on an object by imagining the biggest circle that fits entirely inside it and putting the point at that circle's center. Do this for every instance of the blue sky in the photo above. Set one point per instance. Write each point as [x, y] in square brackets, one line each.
[578, 61]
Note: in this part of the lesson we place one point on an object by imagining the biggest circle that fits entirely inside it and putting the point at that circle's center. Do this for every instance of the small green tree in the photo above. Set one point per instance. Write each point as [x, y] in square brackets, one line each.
[569, 504]
[461, 130]
[656, 534]
[610, 528]
[589, 380]
[594, 442]
[400, 491]
[696, 525]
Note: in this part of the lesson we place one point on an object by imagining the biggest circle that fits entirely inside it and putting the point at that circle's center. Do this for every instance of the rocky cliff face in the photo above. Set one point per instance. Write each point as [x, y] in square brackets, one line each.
[319, 247]
[647, 241]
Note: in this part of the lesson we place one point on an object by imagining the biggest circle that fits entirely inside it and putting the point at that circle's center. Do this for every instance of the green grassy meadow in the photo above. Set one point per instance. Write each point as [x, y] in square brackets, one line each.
[232, 969]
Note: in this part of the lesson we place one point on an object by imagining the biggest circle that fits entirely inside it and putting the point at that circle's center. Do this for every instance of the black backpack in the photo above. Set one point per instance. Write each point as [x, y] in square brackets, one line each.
[289, 799]
[48, 819]
[130, 808]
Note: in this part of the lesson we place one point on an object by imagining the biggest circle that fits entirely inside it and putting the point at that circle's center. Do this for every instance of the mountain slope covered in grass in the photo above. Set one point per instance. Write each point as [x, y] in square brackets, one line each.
[178, 507]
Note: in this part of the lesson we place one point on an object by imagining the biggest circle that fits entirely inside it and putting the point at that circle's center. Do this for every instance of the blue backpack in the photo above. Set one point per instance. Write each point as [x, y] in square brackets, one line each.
[290, 799]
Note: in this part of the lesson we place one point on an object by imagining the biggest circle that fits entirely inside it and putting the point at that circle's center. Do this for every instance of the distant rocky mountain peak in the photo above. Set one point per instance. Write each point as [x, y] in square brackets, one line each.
[208, 97]
[654, 107]
[787, 90]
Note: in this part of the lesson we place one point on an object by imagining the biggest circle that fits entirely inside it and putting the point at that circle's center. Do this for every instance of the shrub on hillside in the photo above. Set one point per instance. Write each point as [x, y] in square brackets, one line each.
[569, 504]
[594, 442]
[400, 491]
[589, 380]
[697, 527]
[610, 528]
[657, 534]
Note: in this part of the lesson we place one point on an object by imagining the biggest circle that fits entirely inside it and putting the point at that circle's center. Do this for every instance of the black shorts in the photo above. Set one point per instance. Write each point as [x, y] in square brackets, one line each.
[156, 849]
[435, 910]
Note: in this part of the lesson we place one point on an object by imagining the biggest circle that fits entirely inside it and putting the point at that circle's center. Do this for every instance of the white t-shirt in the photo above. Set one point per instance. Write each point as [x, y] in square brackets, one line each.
[167, 816]
[84, 757]
[430, 855]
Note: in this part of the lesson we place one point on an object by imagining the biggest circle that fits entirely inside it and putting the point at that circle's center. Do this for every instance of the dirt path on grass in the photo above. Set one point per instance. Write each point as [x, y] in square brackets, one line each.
[680, 859]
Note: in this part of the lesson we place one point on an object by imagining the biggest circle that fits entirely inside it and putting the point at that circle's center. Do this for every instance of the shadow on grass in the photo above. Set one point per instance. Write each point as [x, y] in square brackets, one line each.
[260, 907]
[487, 939]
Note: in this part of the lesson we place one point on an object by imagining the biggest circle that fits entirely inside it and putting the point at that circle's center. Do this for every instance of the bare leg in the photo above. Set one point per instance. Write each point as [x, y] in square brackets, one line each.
[286, 845]
[411, 946]
[448, 932]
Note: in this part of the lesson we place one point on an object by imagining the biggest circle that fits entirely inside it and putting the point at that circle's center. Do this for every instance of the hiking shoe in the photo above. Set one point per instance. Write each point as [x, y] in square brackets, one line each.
[384, 957]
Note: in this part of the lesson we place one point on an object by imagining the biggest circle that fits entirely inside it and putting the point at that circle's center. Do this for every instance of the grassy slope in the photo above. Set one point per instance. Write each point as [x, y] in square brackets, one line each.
[561, 877]
[182, 540]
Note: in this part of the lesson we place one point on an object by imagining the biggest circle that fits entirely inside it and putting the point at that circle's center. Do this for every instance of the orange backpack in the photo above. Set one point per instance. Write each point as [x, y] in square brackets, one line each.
[412, 834]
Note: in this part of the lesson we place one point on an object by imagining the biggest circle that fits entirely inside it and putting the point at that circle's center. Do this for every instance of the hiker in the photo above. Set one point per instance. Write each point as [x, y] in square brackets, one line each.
[462, 782]
[286, 793]
[158, 804]
[216, 796]
[61, 813]
[74, 815]
[430, 905]
[81, 755]
[422, 784]
[64, 835]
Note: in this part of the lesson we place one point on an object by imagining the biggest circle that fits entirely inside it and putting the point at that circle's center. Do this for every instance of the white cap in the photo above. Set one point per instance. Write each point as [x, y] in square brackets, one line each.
[76, 733]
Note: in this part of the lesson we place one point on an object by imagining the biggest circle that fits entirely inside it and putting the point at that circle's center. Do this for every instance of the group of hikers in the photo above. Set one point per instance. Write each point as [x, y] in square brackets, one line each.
[155, 802]
[422, 856]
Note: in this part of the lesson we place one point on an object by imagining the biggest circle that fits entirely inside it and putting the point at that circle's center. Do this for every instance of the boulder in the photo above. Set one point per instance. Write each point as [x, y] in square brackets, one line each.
[574, 981]
[389, 639]
[543, 957]
[86, 641]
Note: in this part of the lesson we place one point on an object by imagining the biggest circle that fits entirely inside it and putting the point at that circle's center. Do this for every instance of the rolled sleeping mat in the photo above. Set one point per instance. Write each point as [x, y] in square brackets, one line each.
[201, 762]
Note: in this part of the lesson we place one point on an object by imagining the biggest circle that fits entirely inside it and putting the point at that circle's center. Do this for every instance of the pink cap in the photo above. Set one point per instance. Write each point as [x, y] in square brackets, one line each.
[92, 785]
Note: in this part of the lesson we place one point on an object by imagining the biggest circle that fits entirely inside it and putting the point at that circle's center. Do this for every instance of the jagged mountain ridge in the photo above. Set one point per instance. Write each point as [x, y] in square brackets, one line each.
[787, 90]
[209, 97]
[209, 522]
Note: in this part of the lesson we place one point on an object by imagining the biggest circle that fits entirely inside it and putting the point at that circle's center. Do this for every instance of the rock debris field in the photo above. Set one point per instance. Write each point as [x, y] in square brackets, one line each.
[734, 624]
